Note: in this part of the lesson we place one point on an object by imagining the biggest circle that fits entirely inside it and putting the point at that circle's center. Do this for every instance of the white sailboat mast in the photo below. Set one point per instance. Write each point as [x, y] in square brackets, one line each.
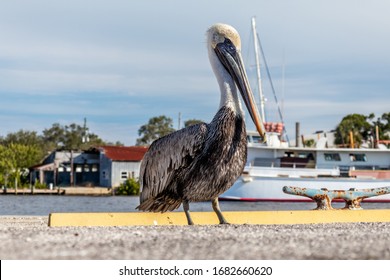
[262, 100]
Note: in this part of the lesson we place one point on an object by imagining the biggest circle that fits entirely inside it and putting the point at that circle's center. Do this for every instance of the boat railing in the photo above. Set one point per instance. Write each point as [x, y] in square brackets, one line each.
[278, 164]
[272, 171]
[297, 165]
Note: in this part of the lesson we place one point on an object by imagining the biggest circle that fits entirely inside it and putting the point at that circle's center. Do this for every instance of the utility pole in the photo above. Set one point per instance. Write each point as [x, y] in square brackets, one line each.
[71, 169]
[85, 137]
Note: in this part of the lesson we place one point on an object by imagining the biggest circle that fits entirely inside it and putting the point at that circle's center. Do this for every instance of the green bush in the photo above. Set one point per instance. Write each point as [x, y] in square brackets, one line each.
[40, 186]
[129, 187]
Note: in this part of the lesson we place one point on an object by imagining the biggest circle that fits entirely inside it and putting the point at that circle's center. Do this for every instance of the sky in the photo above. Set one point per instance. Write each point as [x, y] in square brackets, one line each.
[118, 63]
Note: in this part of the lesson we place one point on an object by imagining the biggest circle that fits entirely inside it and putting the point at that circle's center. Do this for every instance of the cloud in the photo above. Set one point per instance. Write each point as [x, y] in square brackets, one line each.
[118, 63]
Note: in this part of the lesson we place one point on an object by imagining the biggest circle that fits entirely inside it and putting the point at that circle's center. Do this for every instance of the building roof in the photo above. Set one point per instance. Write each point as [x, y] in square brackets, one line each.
[117, 153]
[44, 167]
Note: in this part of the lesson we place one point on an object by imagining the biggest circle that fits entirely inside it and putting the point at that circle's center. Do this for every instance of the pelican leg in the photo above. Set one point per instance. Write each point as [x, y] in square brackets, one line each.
[217, 210]
[186, 207]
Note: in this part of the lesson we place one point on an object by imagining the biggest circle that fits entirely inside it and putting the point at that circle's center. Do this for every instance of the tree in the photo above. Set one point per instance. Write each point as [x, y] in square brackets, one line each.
[386, 118]
[156, 127]
[54, 137]
[26, 138]
[70, 137]
[73, 136]
[309, 143]
[192, 122]
[117, 143]
[383, 124]
[15, 159]
[360, 127]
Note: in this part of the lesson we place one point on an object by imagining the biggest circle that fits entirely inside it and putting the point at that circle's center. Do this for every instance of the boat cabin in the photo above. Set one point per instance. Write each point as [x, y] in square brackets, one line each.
[325, 161]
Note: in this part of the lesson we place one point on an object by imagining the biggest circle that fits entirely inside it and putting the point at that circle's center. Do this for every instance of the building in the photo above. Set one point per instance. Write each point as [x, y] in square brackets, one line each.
[68, 168]
[117, 164]
[106, 166]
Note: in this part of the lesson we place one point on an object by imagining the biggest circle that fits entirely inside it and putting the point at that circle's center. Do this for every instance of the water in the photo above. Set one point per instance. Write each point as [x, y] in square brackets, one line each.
[42, 205]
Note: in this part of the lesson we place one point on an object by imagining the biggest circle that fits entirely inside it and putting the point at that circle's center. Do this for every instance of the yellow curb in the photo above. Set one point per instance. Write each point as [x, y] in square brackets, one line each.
[209, 218]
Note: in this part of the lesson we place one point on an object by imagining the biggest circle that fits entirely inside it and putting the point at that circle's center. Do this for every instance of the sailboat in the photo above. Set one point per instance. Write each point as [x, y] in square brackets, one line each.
[273, 165]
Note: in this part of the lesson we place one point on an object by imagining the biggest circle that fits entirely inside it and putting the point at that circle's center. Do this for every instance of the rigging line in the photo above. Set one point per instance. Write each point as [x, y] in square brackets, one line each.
[272, 86]
[248, 49]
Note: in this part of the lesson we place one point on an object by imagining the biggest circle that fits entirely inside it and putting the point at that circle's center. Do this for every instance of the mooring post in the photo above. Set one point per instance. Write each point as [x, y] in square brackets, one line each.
[323, 197]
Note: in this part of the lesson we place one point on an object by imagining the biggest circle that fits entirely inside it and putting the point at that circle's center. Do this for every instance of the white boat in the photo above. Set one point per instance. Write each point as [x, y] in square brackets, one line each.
[272, 166]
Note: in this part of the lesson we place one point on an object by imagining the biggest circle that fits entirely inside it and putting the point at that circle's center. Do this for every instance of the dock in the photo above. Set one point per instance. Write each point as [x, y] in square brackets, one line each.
[92, 191]
[33, 191]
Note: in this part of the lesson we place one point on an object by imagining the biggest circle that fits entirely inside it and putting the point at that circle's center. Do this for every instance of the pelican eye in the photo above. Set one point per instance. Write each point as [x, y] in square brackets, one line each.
[229, 45]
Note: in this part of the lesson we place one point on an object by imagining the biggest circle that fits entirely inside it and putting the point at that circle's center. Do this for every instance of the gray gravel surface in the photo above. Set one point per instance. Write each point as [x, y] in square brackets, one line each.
[23, 237]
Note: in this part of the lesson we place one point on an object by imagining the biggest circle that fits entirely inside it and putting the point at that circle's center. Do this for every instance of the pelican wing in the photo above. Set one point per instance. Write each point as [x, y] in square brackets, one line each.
[166, 157]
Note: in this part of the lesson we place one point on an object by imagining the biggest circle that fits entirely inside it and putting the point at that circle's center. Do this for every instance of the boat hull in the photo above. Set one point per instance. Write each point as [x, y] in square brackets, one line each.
[270, 188]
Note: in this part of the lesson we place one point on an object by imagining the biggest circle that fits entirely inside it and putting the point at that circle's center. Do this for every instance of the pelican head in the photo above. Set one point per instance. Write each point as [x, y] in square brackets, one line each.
[224, 47]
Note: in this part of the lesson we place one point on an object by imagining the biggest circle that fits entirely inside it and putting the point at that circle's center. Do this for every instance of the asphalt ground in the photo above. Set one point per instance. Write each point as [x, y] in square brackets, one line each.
[24, 237]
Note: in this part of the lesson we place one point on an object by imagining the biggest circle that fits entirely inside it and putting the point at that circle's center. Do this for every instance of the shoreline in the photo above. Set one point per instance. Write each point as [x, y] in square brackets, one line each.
[79, 190]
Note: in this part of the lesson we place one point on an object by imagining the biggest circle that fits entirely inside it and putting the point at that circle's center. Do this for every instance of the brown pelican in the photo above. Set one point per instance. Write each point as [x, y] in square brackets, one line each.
[200, 162]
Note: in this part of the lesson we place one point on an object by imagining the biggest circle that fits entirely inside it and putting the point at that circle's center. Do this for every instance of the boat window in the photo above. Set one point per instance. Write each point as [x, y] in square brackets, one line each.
[358, 157]
[305, 155]
[289, 154]
[332, 157]
[256, 139]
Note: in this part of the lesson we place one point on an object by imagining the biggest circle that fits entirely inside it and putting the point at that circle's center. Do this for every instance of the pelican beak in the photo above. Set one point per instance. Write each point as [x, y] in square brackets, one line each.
[231, 59]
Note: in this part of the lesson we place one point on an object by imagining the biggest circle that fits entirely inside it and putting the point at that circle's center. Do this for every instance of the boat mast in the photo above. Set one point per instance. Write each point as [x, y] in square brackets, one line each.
[262, 100]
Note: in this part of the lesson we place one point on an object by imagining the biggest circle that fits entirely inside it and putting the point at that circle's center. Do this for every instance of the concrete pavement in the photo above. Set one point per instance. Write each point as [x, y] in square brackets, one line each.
[23, 237]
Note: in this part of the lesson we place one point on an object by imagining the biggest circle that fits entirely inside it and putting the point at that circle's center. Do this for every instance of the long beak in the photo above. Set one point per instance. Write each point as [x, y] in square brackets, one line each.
[232, 60]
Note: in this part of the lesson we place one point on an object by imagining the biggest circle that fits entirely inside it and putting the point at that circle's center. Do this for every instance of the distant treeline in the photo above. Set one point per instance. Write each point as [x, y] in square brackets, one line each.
[23, 149]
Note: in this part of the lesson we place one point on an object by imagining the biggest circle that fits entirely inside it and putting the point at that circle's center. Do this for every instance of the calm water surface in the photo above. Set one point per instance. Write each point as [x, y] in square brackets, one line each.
[37, 205]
